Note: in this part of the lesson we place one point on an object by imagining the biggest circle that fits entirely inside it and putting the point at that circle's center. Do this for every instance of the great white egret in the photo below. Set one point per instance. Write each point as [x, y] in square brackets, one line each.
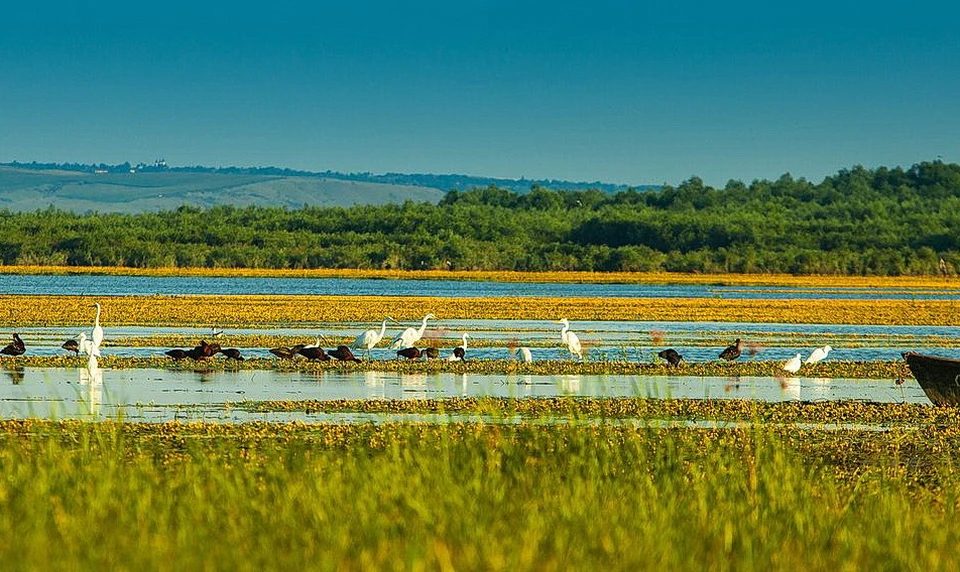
[97, 336]
[14, 348]
[570, 339]
[460, 351]
[369, 339]
[525, 355]
[818, 354]
[86, 345]
[672, 356]
[343, 353]
[732, 352]
[411, 335]
[792, 365]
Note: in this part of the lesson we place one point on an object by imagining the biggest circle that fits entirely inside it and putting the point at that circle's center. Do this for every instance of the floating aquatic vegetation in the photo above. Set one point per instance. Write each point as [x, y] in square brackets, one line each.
[267, 311]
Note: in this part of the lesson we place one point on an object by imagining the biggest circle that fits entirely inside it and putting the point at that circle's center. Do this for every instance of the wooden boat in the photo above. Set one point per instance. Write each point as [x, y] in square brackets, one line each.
[938, 376]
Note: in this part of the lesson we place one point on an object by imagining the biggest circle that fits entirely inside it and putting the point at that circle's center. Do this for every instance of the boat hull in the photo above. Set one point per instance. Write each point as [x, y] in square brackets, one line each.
[939, 377]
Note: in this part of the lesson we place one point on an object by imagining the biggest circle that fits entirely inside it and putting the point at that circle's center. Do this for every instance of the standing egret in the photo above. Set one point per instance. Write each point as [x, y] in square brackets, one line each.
[818, 354]
[411, 335]
[86, 346]
[97, 336]
[570, 339]
[525, 355]
[672, 356]
[369, 339]
[732, 352]
[792, 365]
[460, 351]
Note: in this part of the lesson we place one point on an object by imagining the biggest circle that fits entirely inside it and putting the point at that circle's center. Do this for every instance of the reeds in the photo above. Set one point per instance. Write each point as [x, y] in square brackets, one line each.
[471, 496]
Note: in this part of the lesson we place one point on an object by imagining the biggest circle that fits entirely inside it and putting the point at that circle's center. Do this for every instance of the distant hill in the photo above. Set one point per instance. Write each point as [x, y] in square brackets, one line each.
[143, 188]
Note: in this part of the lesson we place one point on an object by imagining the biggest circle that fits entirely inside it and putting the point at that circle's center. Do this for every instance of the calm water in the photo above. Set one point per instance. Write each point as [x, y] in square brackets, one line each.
[153, 395]
[141, 285]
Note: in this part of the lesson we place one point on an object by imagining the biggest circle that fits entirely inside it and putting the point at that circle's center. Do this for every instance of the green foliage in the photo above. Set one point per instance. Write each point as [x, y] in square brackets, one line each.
[858, 222]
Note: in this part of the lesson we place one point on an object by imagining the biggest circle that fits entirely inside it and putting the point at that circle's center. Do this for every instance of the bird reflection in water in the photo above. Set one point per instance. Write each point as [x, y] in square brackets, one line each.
[91, 382]
[570, 384]
[14, 372]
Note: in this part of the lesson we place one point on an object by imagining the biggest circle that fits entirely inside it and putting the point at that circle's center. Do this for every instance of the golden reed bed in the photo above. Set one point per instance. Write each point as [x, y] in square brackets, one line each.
[785, 280]
[238, 311]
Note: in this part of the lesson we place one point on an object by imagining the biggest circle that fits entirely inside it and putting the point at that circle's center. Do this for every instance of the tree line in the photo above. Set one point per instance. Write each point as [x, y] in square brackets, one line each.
[857, 222]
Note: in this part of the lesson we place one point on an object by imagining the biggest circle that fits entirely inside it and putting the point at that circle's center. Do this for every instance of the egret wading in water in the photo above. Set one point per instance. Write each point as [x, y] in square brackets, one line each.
[411, 335]
[570, 339]
[818, 354]
[792, 365]
[369, 339]
[97, 336]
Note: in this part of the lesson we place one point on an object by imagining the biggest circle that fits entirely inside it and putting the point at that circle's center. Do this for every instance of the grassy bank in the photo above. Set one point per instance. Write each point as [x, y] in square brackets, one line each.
[473, 497]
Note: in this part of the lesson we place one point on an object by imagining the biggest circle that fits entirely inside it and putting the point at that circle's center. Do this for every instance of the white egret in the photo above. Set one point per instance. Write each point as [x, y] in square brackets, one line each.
[369, 339]
[86, 345]
[818, 354]
[525, 355]
[97, 330]
[460, 351]
[792, 365]
[570, 339]
[411, 335]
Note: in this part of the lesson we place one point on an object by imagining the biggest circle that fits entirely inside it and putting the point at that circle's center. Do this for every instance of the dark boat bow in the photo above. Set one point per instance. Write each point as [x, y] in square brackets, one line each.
[939, 377]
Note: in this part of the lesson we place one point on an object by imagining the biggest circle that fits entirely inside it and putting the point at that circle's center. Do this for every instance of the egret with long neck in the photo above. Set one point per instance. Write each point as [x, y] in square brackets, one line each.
[411, 335]
[97, 337]
[369, 339]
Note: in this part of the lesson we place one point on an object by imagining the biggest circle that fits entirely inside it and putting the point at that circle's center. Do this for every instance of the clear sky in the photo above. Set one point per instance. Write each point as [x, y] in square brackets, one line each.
[620, 92]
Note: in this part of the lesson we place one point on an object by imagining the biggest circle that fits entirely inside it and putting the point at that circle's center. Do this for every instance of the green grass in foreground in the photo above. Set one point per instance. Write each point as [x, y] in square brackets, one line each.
[474, 497]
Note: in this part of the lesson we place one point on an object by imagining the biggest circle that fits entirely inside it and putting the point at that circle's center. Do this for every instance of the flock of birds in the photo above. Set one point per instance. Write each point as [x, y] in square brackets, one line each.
[404, 344]
[733, 351]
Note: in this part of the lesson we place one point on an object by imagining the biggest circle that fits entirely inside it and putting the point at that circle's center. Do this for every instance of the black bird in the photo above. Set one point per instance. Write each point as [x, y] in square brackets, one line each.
[313, 353]
[232, 353]
[672, 356]
[285, 352]
[430, 352]
[409, 353]
[71, 345]
[176, 354]
[732, 352]
[459, 352]
[207, 350]
[14, 348]
[343, 353]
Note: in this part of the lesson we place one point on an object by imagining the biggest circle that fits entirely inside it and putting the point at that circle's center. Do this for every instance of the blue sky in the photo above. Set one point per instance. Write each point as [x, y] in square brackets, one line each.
[621, 92]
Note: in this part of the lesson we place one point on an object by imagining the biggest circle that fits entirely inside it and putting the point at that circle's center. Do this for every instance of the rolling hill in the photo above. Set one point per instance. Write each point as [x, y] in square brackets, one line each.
[28, 190]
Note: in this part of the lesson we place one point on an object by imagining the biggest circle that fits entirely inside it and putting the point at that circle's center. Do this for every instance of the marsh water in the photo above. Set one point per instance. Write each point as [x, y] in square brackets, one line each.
[93, 285]
[157, 395]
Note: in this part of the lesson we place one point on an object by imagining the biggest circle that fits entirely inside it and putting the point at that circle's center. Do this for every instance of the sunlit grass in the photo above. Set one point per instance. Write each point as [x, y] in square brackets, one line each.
[474, 497]
[308, 310]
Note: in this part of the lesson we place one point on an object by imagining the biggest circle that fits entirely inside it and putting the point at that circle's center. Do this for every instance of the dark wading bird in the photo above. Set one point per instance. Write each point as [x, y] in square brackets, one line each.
[732, 352]
[431, 352]
[14, 348]
[409, 353]
[203, 351]
[71, 345]
[343, 353]
[287, 353]
[671, 355]
[176, 353]
[313, 353]
[232, 353]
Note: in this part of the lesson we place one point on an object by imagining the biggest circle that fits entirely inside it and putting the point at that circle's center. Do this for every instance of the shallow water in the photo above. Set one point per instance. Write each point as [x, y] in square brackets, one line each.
[155, 395]
[150, 285]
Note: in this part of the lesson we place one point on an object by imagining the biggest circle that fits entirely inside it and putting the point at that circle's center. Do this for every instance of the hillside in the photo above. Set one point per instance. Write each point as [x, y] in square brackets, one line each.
[24, 189]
